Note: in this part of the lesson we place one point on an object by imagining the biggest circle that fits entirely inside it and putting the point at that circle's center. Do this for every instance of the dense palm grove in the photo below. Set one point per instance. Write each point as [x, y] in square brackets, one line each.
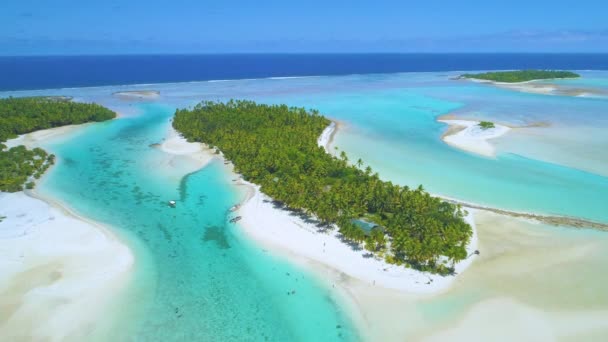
[521, 75]
[18, 165]
[276, 147]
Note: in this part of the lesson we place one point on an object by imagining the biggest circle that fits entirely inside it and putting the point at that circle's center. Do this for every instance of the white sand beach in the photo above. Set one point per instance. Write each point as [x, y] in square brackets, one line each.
[468, 136]
[183, 157]
[60, 273]
[137, 94]
[37, 138]
[326, 137]
[290, 235]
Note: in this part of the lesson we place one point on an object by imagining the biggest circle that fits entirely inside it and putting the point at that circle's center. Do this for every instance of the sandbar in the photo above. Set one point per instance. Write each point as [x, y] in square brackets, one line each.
[467, 135]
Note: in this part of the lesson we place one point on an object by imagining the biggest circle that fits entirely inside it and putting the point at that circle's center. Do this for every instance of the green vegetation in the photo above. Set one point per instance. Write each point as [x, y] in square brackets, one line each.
[276, 147]
[29, 114]
[24, 115]
[486, 125]
[521, 75]
[18, 164]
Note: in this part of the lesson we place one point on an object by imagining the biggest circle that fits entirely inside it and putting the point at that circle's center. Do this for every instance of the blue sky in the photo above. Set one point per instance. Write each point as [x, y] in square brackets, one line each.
[152, 26]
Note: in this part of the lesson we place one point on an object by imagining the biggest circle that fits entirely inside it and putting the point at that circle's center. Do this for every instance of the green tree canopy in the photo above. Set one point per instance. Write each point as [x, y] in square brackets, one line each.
[521, 75]
[276, 147]
[27, 114]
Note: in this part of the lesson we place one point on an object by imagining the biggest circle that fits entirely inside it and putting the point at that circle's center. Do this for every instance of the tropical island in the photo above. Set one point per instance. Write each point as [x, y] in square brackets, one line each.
[520, 75]
[276, 148]
[19, 166]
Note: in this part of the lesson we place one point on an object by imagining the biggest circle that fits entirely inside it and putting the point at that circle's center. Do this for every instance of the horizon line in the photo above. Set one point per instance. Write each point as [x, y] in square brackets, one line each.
[301, 53]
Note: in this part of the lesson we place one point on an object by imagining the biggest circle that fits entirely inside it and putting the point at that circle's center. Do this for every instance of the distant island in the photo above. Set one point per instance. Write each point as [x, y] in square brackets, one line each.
[20, 166]
[520, 75]
[276, 148]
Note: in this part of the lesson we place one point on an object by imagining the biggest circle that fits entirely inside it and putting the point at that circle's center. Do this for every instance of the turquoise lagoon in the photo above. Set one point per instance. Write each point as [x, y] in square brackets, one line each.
[200, 278]
[197, 277]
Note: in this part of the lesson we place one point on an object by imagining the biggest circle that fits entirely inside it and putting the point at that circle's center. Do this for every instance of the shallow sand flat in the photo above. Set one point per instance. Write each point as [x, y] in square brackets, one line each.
[59, 273]
[543, 87]
[531, 283]
[468, 136]
[183, 157]
[553, 89]
[519, 322]
[528, 87]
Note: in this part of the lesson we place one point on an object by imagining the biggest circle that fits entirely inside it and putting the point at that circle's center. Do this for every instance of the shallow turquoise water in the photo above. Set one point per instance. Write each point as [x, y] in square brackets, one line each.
[395, 131]
[204, 280]
[391, 124]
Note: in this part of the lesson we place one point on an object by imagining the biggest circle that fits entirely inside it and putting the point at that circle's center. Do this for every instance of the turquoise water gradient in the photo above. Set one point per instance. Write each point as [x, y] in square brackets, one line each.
[203, 280]
[198, 278]
[396, 132]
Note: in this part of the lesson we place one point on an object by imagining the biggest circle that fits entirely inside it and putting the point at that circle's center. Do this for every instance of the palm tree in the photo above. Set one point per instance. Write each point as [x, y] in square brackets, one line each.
[343, 157]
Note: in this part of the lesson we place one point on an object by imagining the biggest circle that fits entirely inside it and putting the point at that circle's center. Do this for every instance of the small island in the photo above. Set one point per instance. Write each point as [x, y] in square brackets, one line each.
[518, 76]
[486, 125]
[19, 166]
[276, 147]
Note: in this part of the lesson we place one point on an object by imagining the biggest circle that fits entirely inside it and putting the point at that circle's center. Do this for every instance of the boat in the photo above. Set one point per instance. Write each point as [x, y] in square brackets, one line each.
[172, 204]
[235, 219]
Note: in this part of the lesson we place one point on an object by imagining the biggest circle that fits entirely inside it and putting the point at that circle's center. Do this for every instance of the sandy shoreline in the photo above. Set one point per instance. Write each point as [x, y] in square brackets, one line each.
[45, 136]
[468, 136]
[182, 157]
[327, 136]
[61, 272]
[543, 88]
[286, 233]
[137, 94]
[290, 234]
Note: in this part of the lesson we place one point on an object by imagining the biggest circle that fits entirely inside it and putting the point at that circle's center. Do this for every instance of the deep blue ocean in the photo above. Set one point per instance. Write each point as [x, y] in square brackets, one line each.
[45, 72]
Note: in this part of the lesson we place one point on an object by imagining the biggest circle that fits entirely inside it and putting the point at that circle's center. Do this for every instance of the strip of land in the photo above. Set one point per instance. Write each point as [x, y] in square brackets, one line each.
[561, 221]
[304, 240]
